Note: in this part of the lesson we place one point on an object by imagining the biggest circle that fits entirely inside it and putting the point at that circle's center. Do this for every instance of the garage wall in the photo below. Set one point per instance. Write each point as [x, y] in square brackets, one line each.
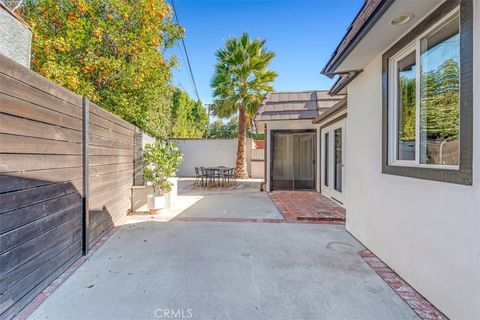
[209, 153]
[427, 231]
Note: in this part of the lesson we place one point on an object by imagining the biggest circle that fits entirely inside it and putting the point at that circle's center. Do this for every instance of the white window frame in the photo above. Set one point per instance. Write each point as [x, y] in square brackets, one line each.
[393, 106]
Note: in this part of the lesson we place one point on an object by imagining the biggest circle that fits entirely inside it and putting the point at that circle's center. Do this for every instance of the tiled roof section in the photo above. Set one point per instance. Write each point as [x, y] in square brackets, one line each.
[336, 108]
[368, 9]
[294, 105]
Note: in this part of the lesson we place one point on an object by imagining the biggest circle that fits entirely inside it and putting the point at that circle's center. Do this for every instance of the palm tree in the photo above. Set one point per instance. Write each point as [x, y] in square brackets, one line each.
[240, 81]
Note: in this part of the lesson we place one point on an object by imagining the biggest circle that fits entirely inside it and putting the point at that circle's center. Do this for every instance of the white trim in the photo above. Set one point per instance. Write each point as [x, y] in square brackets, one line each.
[414, 46]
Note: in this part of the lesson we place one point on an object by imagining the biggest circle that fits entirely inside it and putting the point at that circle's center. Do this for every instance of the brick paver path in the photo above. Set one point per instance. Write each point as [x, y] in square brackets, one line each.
[307, 206]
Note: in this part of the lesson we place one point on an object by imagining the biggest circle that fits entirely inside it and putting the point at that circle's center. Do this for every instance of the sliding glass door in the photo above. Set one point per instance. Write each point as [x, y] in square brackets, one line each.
[333, 161]
[293, 161]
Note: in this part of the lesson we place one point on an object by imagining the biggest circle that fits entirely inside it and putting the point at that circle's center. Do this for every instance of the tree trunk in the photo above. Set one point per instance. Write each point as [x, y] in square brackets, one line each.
[242, 171]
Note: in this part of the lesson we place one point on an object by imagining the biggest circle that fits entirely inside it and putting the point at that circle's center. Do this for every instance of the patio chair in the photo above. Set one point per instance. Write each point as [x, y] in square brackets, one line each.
[198, 177]
[230, 176]
[204, 179]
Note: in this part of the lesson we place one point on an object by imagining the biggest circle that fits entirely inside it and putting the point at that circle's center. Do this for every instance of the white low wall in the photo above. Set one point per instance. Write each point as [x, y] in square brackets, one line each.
[209, 153]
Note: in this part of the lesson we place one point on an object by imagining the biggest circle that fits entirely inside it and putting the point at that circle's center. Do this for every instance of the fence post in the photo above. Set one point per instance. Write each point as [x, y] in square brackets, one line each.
[86, 193]
[138, 159]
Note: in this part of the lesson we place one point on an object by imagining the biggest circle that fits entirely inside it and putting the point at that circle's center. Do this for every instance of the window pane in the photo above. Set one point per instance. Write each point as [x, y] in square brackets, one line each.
[326, 160]
[338, 158]
[406, 107]
[440, 97]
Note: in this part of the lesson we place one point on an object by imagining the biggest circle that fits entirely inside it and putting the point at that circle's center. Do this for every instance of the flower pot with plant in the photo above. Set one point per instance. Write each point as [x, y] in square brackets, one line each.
[161, 161]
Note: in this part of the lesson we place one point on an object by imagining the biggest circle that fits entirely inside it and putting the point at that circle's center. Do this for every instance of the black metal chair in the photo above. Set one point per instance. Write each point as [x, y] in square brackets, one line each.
[204, 173]
[198, 177]
[230, 176]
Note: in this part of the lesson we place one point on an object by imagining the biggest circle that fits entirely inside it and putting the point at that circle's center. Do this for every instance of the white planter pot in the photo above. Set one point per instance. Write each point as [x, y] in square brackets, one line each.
[171, 197]
[155, 203]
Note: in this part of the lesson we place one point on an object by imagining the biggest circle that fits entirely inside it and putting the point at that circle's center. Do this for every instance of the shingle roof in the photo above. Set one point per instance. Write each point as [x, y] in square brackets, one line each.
[294, 105]
[360, 24]
[336, 108]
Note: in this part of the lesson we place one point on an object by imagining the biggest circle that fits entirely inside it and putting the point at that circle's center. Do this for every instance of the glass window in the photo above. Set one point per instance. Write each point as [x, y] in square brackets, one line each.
[440, 96]
[338, 161]
[425, 105]
[326, 161]
[406, 111]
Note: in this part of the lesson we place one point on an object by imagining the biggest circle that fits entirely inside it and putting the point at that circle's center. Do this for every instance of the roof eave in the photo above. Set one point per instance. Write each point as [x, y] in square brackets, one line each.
[337, 57]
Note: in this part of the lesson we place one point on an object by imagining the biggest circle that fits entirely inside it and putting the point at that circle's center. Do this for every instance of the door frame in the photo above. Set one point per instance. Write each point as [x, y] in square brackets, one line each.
[329, 190]
[293, 131]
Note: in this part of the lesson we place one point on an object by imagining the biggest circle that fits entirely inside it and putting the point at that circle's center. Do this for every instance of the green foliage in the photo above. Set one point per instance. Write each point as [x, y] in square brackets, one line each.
[189, 117]
[229, 130]
[219, 129]
[109, 51]
[241, 76]
[440, 101]
[240, 81]
[161, 161]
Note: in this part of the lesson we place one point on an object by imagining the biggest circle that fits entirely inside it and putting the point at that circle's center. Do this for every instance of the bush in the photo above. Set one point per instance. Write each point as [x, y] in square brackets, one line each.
[161, 161]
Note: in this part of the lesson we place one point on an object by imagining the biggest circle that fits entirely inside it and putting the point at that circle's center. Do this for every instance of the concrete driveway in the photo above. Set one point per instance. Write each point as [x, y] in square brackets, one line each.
[225, 270]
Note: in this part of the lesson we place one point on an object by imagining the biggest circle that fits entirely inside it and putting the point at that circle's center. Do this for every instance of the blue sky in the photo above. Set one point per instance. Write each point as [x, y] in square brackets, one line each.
[303, 34]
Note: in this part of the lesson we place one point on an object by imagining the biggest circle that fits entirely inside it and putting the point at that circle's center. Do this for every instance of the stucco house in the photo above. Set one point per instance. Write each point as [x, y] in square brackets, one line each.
[15, 36]
[408, 152]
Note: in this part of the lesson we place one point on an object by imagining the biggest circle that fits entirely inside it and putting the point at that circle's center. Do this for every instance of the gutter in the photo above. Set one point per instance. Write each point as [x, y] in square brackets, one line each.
[338, 57]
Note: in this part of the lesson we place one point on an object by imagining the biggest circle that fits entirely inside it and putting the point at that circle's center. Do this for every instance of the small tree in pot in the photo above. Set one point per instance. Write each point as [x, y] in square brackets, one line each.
[161, 161]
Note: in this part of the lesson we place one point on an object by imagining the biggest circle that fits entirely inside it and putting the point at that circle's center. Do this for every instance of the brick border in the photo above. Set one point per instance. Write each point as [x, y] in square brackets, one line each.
[28, 310]
[422, 307]
[256, 220]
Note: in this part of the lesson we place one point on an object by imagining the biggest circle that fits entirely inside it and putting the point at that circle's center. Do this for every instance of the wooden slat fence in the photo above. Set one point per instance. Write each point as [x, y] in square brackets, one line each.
[42, 177]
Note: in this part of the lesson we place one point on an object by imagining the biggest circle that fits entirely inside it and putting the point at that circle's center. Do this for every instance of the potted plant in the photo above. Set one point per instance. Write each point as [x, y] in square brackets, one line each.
[161, 160]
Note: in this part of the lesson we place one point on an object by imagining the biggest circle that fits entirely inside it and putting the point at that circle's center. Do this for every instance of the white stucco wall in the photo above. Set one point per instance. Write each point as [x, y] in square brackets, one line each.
[286, 125]
[15, 39]
[428, 232]
[209, 153]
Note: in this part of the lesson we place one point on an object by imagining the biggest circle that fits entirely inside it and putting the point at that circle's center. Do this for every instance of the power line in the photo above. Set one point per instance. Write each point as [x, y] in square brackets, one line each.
[186, 53]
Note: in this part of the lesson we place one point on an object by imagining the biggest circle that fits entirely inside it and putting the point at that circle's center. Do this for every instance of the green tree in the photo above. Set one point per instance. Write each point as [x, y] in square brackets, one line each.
[220, 130]
[189, 117]
[109, 51]
[240, 81]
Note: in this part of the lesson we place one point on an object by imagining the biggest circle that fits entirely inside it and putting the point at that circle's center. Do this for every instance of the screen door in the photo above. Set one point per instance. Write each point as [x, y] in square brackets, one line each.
[293, 161]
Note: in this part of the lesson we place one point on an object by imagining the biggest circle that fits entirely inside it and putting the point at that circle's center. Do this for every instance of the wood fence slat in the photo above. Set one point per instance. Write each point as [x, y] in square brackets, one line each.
[18, 144]
[27, 76]
[28, 250]
[28, 197]
[105, 151]
[25, 127]
[101, 122]
[18, 89]
[29, 179]
[110, 143]
[13, 162]
[20, 108]
[17, 218]
[110, 117]
[14, 238]
[23, 270]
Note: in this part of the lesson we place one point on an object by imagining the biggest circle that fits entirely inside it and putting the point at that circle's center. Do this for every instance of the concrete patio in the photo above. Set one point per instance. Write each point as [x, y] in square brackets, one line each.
[151, 268]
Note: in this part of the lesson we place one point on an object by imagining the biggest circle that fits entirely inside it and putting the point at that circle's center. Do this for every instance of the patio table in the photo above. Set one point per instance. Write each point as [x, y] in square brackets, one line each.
[216, 174]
